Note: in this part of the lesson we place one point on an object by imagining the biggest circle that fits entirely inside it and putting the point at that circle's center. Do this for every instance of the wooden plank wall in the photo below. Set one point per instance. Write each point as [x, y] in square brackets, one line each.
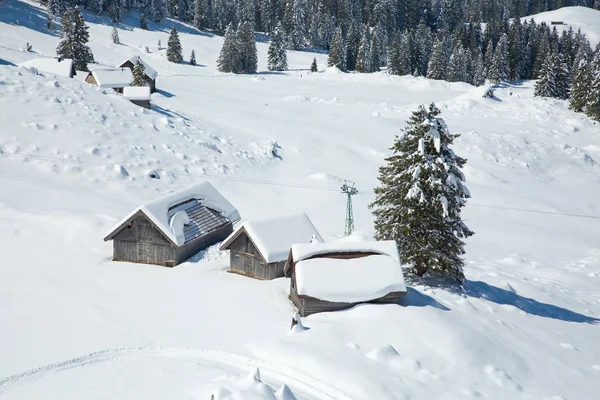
[142, 243]
[246, 260]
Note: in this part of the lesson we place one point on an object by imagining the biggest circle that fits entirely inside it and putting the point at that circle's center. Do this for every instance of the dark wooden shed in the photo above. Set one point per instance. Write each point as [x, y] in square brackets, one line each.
[259, 248]
[377, 258]
[150, 73]
[170, 230]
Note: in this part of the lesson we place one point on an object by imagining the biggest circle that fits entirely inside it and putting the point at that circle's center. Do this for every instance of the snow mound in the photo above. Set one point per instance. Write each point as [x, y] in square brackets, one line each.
[284, 393]
[178, 222]
[383, 353]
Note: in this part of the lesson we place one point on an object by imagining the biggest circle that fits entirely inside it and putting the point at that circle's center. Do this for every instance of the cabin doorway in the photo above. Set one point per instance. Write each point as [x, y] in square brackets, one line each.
[144, 252]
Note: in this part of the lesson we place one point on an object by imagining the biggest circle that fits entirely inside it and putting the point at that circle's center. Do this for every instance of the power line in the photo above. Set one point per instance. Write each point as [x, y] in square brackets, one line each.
[274, 183]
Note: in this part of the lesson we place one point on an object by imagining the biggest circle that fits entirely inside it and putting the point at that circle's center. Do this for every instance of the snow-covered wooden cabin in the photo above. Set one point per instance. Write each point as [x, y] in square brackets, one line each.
[260, 248]
[169, 230]
[150, 73]
[53, 66]
[138, 95]
[115, 79]
[339, 275]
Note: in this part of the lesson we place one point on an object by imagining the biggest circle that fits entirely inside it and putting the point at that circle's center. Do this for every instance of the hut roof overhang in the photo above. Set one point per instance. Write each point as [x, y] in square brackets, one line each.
[184, 215]
[274, 237]
[148, 70]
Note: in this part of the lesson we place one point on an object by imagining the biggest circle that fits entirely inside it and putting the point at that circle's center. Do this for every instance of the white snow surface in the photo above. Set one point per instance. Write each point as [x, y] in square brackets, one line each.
[302, 251]
[275, 236]
[349, 281]
[112, 78]
[50, 65]
[75, 325]
[136, 92]
[157, 210]
[148, 70]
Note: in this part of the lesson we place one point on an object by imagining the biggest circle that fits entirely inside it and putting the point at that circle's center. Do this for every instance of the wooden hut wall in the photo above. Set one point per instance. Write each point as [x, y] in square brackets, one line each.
[247, 260]
[190, 249]
[309, 305]
[141, 242]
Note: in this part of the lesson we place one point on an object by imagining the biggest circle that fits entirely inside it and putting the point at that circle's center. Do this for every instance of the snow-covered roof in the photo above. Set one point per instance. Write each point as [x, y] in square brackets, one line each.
[112, 78]
[196, 202]
[386, 247]
[273, 237]
[51, 65]
[148, 70]
[349, 281]
[136, 92]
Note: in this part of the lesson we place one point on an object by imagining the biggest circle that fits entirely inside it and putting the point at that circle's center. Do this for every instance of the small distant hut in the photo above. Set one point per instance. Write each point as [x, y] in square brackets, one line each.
[115, 79]
[150, 73]
[138, 95]
[169, 230]
[54, 66]
[557, 23]
[259, 248]
[339, 275]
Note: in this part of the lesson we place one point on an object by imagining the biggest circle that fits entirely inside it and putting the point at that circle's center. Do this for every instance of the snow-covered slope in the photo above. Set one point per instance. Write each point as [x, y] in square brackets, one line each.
[75, 161]
[586, 19]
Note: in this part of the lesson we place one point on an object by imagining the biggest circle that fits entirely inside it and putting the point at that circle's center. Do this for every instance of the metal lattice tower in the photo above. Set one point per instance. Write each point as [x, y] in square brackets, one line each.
[349, 189]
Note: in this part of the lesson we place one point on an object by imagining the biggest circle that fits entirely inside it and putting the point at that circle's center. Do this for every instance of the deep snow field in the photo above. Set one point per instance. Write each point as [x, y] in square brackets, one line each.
[74, 161]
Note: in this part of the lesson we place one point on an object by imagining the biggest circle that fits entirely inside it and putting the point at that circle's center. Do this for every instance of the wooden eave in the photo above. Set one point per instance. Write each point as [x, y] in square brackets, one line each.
[118, 229]
[226, 245]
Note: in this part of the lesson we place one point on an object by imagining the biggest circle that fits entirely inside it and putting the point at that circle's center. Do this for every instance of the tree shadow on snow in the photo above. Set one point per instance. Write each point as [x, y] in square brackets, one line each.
[414, 298]
[167, 113]
[164, 93]
[28, 16]
[4, 62]
[482, 290]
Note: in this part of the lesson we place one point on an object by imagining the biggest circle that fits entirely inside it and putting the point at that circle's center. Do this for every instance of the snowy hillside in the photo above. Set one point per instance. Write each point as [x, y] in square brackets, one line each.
[74, 161]
[586, 19]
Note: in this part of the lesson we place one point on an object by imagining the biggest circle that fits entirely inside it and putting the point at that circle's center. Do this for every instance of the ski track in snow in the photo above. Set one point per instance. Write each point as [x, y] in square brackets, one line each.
[297, 381]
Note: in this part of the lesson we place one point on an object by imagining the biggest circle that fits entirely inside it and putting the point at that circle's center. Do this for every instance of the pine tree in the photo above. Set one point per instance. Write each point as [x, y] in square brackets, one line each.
[228, 58]
[295, 23]
[437, 62]
[499, 69]
[337, 52]
[248, 56]
[580, 86]
[139, 74]
[50, 23]
[478, 71]
[158, 10]
[375, 60]
[418, 203]
[74, 34]
[593, 105]
[351, 45]
[277, 54]
[198, 14]
[115, 36]
[174, 53]
[457, 66]
[364, 49]
[159, 44]
[144, 22]
[546, 84]
[563, 78]
[313, 66]
[193, 58]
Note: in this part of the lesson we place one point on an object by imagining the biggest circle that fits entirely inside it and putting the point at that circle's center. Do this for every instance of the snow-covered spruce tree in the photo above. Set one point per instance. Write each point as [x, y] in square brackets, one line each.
[375, 52]
[295, 23]
[193, 58]
[580, 86]
[228, 58]
[50, 23]
[144, 22]
[351, 45]
[139, 74]
[174, 53]
[563, 78]
[277, 54]
[115, 36]
[362, 58]
[314, 67]
[500, 69]
[158, 10]
[478, 71]
[74, 34]
[337, 52]
[593, 105]
[247, 53]
[457, 66]
[159, 44]
[546, 83]
[437, 62]
[418, 203]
